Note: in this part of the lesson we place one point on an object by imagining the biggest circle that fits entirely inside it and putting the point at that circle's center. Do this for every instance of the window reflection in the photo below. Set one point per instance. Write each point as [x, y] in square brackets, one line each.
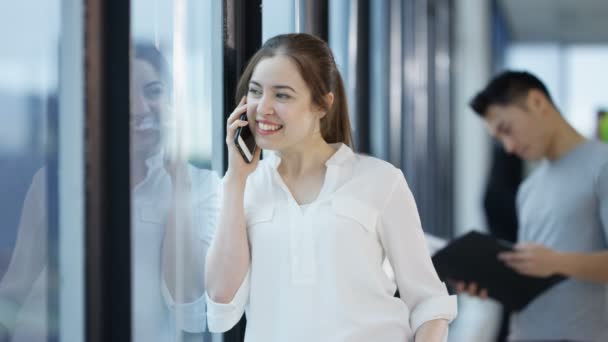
[174, 208]
[175, 194]
[28, 97]
[23, 290]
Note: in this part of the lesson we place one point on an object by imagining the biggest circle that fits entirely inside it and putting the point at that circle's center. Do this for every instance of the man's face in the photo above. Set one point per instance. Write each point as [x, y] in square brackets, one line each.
[520, 129]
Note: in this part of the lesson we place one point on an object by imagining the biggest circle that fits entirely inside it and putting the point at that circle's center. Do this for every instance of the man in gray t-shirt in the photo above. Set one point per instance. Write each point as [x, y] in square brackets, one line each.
[562, 211]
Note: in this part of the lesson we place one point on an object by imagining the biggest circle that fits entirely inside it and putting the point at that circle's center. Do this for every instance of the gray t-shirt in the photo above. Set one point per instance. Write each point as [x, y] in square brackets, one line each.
[563, 205]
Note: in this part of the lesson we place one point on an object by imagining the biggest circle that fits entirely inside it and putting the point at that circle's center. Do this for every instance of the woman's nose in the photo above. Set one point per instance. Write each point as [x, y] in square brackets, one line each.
[139, 104]
[264, 105]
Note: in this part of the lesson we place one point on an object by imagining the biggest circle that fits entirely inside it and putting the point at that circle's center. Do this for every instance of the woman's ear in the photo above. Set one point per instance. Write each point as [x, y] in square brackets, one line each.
[329, 101]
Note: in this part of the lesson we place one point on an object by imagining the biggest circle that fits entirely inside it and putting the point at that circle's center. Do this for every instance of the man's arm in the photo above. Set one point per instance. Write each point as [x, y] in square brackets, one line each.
[539, 261]
[584, 266]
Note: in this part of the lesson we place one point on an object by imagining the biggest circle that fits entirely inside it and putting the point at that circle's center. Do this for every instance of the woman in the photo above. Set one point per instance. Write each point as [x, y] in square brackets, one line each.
[303, 234]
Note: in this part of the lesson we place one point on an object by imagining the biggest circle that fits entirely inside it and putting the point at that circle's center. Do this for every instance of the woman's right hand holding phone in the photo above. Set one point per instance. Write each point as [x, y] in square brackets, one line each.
[238, 168]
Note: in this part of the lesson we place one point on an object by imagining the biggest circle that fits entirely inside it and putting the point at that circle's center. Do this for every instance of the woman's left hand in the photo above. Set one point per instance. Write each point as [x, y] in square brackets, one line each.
[532, 260]
[432, 331]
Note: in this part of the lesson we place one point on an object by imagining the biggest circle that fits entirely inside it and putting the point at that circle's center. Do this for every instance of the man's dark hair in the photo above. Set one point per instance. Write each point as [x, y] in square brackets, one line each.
[505, 89]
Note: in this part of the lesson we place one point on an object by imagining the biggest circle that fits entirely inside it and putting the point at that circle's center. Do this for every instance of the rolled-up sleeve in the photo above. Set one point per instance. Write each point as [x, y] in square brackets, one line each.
[222, 317]
[406, 249]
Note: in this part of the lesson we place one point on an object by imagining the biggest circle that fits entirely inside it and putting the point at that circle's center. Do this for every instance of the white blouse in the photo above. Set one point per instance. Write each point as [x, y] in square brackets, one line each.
[316, 275]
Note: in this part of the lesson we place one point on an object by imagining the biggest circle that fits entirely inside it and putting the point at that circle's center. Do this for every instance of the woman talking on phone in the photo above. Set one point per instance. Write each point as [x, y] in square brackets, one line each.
[303, 234]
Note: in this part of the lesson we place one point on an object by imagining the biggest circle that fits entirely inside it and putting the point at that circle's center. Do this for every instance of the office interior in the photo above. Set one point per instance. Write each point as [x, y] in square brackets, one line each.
[410, 68]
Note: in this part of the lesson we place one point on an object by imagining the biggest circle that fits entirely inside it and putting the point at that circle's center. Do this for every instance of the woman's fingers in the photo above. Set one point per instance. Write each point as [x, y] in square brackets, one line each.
[232, 129]
[237, 112]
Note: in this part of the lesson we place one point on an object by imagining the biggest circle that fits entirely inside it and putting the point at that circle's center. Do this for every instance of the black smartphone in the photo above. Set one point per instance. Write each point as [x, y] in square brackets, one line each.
[244, 141]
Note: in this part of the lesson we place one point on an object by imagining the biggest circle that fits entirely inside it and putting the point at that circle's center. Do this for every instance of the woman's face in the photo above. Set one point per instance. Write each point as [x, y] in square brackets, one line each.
[279, 109]
[149, 107]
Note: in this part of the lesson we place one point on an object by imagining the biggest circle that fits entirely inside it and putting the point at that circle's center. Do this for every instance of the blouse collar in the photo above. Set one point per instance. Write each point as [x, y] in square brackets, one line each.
[342, 155]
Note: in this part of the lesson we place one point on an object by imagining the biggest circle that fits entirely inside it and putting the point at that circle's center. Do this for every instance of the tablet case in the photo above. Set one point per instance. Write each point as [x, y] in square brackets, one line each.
[473, 257]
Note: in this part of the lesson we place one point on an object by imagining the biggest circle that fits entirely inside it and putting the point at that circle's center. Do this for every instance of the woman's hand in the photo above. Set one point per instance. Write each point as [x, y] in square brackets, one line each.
[237, 166]
[432, 331]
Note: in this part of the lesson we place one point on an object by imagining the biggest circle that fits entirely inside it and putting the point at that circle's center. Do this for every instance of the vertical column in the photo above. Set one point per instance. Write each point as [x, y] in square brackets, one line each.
[108, 199]
[380, 66]
[71, 187]
[471, 70]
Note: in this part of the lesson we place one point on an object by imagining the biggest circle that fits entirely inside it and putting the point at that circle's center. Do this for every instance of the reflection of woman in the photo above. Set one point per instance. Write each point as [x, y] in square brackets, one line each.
[303, 234]
[174, 208]
[164, 188]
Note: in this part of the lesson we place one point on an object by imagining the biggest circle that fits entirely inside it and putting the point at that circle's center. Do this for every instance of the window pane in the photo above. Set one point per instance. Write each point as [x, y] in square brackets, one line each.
[40, 172]
[175, 106]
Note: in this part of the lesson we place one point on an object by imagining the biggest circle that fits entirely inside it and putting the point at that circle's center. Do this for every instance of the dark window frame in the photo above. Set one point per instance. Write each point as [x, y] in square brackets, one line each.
[242, 37]
[107, 171]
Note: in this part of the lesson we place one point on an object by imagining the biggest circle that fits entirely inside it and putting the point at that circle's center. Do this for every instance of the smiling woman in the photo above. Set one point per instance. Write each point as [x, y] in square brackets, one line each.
[308, 215]
[303, 78]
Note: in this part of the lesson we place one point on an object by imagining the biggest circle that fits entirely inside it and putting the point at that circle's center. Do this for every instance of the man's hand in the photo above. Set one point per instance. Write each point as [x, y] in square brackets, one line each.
[532, 260]
[470, 289]
[528, 259]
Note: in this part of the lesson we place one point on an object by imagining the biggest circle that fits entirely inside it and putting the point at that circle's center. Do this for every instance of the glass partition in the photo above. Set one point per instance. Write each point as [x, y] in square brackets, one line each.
[41, 171]
[176, 110]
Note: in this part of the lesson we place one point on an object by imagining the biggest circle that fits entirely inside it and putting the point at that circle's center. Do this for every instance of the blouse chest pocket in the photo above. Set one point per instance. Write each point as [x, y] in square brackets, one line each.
[151, 213]
[258, 215]
[357, 212]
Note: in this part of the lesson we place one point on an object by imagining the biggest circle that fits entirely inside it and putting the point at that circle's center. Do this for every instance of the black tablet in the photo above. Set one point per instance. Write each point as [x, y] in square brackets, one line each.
[473, 257]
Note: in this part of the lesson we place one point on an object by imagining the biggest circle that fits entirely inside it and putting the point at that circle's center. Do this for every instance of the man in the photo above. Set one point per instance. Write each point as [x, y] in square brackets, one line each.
[562, 211]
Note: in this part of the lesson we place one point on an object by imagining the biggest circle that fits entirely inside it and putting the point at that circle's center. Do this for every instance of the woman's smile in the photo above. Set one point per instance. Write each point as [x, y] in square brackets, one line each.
[267, 128]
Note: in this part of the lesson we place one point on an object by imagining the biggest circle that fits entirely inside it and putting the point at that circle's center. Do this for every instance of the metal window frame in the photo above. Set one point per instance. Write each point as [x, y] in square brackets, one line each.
[107, 171]
[242, 38]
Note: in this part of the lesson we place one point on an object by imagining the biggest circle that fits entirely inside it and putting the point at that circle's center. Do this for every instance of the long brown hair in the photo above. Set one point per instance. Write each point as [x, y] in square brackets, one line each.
[317, 67]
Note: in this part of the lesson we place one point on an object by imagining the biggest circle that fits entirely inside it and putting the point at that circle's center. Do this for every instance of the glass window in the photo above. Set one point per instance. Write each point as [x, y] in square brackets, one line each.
[585, 78]
[176, 106]
[41, 172]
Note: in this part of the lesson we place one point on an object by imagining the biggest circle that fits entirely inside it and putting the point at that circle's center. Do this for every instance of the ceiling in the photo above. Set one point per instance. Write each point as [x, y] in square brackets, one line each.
[565, 21]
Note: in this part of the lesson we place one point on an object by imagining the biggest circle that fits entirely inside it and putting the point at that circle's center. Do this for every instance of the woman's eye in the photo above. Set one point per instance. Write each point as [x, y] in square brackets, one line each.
[153, 93]
[283, 96]
[254, 91]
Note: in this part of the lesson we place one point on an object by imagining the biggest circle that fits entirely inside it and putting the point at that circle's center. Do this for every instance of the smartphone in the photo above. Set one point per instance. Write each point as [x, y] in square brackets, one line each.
[245, 141]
